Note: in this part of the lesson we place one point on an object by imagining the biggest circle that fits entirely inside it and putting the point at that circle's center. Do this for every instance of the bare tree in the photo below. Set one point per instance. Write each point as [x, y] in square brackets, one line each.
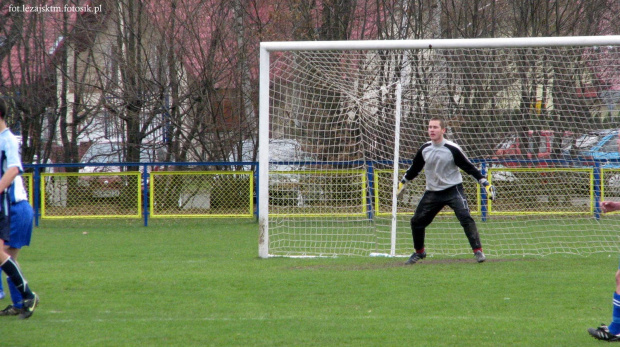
[541, 73]
[206, 127]
[132, 78]
[27, 80]
[182, 74]
[74, 60]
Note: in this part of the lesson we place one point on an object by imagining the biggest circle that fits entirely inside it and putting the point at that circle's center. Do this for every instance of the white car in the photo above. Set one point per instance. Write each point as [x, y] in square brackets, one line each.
[109, 152]
[284, 183]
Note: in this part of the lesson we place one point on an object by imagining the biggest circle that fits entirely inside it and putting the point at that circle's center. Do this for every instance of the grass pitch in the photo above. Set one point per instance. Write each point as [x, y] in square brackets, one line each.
[200, 283]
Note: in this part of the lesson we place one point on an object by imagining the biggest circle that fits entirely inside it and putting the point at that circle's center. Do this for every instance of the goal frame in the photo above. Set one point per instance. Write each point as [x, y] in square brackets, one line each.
[266, 48]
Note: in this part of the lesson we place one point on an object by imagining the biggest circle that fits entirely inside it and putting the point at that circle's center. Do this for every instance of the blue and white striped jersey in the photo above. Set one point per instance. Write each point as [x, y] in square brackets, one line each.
[9, 157]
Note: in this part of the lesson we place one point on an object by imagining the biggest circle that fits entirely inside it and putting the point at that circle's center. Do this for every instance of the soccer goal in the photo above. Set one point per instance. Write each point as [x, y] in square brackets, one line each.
[340, 122]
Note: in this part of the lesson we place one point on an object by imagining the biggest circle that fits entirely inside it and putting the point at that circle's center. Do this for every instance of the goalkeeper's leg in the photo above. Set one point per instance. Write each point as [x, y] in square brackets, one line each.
[428, 207]
[425, 212]
[461, 209]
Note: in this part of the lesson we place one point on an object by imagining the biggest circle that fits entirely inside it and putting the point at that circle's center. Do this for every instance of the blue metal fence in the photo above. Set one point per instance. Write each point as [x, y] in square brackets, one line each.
[484, 164]
[145, 169]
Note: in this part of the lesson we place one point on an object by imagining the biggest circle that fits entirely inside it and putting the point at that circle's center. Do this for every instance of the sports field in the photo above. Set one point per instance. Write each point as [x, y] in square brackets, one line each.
[199, 282]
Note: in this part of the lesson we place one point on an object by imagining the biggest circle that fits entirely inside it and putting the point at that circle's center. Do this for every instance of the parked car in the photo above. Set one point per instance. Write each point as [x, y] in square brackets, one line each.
[109, 152]
[112, 152]
[280, 150]
[601, 146]
[586, 141]
[285, 183]
[540, 145]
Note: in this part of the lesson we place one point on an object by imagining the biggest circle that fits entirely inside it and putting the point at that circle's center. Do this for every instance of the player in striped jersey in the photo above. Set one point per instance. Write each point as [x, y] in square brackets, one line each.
[10, 167]
[21, 217]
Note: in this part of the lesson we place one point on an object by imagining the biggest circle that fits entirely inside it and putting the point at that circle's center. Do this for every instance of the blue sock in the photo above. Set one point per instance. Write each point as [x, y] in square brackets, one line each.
[1, 289]
[16, 296]
[614, 327]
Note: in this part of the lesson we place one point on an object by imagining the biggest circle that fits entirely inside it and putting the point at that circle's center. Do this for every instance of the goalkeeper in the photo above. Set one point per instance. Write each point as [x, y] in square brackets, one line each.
[441, 160]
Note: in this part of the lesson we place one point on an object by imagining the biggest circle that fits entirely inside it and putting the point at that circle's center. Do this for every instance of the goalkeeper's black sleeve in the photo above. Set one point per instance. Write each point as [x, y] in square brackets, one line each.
[417, 165]
[462, 162]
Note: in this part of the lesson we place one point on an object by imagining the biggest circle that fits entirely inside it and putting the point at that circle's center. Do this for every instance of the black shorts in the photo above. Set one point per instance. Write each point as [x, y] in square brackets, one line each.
[5, 227]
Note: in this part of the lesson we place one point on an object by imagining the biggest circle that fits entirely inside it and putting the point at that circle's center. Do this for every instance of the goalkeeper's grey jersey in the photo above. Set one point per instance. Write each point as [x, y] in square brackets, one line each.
[441, 163]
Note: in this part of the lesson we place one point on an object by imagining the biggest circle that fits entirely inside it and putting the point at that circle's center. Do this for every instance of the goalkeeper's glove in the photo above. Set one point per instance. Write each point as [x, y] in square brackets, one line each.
[401, 189]
[490, 189]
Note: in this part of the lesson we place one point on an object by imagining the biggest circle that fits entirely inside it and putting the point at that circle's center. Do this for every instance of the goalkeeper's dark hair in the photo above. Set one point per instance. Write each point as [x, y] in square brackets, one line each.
[442, 124]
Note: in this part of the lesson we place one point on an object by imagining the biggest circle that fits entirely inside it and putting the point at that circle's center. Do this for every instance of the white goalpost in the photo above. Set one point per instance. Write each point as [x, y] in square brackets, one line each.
[340, 122]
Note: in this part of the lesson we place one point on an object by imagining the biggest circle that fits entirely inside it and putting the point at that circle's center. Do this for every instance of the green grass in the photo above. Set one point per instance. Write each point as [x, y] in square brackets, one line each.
[200, 283]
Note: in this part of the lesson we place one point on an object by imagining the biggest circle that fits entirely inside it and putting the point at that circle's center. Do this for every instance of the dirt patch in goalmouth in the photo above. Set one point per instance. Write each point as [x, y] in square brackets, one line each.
[396, 263]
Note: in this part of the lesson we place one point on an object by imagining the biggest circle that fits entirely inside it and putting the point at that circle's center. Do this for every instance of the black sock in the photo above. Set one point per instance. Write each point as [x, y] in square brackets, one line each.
[12, 271]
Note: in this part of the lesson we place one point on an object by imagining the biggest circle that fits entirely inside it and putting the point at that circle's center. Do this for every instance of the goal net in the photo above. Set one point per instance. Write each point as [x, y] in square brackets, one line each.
[341, 121]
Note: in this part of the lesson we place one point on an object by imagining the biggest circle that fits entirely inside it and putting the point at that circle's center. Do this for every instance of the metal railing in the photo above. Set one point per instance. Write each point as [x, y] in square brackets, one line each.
[216, 190]
[156, 189]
